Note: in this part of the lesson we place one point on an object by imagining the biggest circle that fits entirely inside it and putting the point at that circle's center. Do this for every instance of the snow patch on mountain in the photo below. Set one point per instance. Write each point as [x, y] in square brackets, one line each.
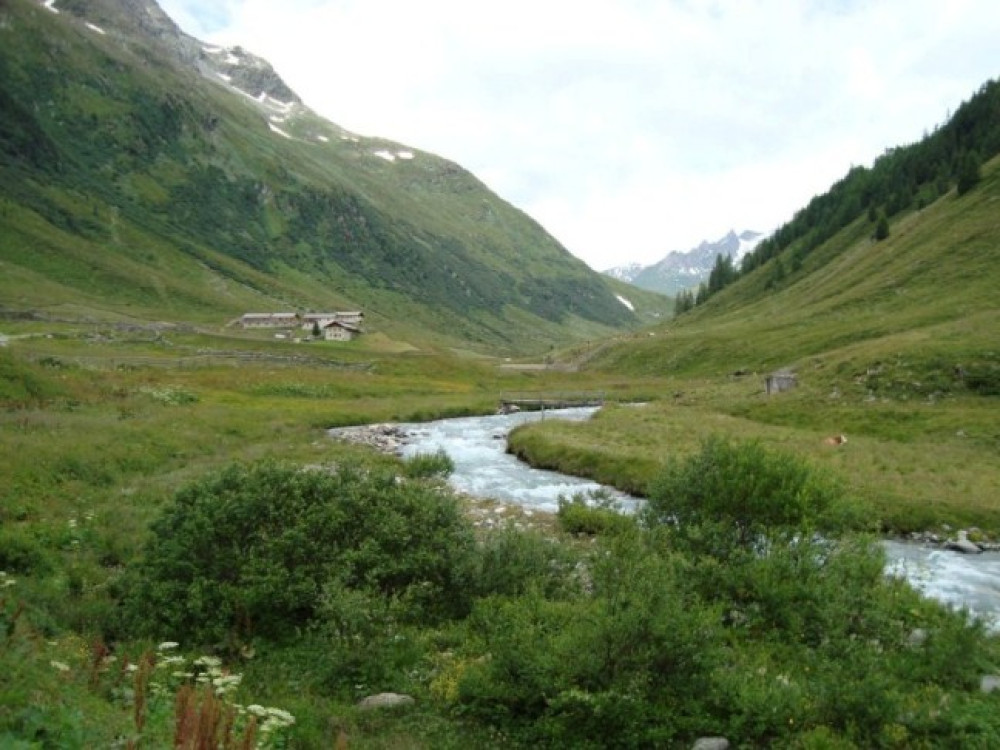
[626, 302]
[94, 27]
[275, 129]
[389, 155]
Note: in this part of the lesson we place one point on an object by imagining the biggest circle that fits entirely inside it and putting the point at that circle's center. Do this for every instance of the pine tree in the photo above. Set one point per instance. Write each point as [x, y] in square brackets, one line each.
[702, 295]
[968, 172]
[882, 228]
[683, 302]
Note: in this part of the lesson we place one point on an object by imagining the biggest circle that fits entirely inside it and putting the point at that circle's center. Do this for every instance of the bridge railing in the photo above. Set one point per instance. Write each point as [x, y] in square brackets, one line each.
[551, 399]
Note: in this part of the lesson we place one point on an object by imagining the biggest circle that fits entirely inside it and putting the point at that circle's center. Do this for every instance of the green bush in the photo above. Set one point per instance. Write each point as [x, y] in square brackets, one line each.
[429, 465]
[22, 553]
[578, 516]
[627, 665]
[731, 496]
[513, 563]
[251, 551]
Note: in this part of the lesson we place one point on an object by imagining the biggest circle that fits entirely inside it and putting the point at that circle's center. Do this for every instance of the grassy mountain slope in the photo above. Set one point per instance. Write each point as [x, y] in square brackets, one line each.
[131, 185]
[855, 299]
[895, 343]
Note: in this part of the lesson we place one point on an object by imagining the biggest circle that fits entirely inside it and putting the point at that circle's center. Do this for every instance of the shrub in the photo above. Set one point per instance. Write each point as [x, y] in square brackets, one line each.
[249, 552]
[578, 516]
[731, 496]
[22, 553]
[626, 666]
[429, 465]
[513, 562]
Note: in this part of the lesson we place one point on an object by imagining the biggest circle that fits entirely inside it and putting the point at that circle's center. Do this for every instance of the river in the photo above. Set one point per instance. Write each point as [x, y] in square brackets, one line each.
[483, 468]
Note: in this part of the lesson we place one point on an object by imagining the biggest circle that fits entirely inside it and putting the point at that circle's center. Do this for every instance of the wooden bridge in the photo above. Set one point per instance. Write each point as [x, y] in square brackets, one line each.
[540, 401]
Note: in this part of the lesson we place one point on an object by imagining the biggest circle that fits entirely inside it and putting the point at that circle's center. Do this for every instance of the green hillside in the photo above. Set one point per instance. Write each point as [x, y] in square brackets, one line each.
[928, 292]
[894, 342]
[133, 186]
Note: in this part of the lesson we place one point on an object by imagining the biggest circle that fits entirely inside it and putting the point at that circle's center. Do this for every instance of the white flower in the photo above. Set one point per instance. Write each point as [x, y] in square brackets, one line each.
[61, 666]
[257, 710]
[167, 645]
[226, 683]
[281, 716]
[207, 661]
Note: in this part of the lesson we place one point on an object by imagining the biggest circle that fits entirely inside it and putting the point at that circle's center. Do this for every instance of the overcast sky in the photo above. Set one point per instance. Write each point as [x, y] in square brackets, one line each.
[628, 128]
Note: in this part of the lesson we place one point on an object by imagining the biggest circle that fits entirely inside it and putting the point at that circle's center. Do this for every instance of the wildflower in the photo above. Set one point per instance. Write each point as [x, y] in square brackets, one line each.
[72, 523]
[226, 683]
[61, 666]
[167, 645]
[281, 715]
[257, 710]
[207, 661]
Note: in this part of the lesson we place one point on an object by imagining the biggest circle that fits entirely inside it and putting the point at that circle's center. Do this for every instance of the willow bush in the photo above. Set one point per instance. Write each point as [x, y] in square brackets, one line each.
[256, 551]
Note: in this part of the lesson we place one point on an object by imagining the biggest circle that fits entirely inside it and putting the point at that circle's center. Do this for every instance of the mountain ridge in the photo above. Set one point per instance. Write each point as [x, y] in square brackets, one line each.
[148, 146]
[679, 270]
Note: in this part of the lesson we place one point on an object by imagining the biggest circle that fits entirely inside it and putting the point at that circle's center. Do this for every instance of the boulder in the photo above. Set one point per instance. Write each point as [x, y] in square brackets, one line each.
[989, 683]
[711, 743]
[385, 700]
[963, 545]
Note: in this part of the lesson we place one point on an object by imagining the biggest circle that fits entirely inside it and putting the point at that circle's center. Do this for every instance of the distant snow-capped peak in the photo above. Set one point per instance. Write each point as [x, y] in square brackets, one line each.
[683, 269]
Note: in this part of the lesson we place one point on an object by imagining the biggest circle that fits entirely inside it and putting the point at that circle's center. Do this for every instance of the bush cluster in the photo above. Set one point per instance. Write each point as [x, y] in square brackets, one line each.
[726, 613]
[258, 550]
[740, 602]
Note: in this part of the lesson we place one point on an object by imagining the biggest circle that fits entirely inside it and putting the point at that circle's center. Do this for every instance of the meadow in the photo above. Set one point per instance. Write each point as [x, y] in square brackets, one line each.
[110, 432]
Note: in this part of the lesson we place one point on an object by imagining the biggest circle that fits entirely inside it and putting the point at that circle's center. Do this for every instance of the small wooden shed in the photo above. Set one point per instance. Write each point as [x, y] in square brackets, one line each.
[780, 381]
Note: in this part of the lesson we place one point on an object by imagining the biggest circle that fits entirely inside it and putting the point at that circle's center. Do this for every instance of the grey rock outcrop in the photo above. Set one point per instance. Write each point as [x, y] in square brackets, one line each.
[385, 700]
[711, 743]
[964, 545]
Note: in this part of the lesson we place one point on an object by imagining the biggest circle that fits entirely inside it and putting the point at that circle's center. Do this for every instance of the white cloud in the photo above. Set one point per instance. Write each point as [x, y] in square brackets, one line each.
[628, 128]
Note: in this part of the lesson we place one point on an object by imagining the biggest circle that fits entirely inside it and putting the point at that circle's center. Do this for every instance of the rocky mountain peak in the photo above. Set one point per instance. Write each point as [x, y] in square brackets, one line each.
[143, 22]
[684, 269]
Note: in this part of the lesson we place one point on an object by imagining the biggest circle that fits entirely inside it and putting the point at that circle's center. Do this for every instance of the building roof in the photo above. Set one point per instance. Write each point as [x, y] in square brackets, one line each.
[340, 324]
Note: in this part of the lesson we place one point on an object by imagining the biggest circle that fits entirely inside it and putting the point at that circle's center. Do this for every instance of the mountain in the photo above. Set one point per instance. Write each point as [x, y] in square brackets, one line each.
[625, 273]
[912, 316]
[146, 175]
[683, 270]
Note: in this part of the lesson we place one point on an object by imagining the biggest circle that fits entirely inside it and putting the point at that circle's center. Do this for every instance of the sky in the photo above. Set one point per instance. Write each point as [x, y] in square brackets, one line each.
[628, 128]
